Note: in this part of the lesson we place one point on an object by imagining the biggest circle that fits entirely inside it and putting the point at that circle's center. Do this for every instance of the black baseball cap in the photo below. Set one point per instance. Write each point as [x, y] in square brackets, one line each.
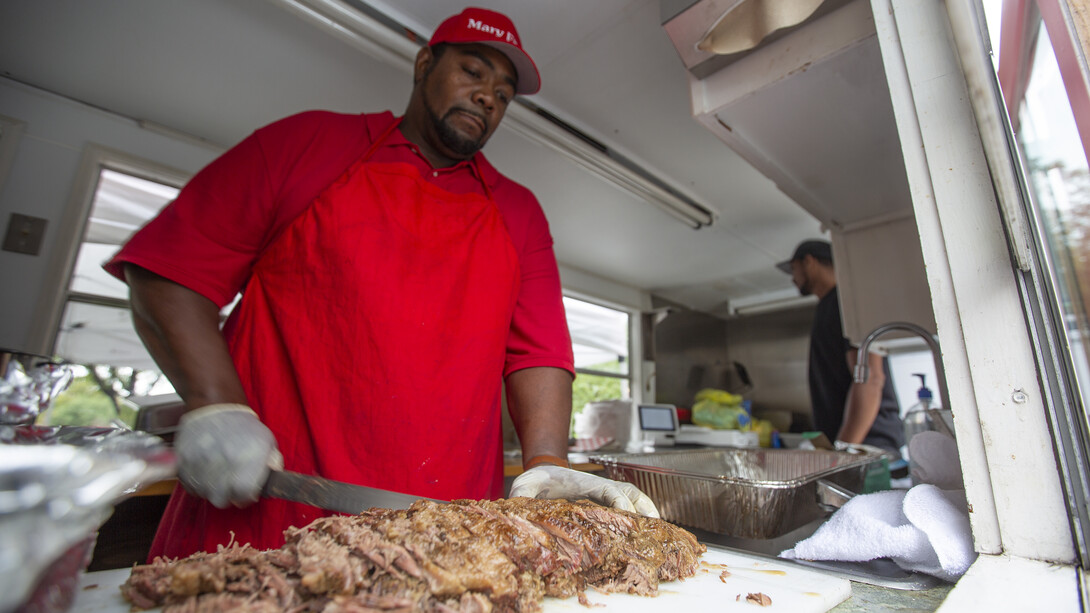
[820, 249]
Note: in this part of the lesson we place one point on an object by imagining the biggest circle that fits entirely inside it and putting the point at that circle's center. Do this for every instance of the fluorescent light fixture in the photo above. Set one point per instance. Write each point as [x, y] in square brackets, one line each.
[525, 121]
[379, 36]
[769, 302]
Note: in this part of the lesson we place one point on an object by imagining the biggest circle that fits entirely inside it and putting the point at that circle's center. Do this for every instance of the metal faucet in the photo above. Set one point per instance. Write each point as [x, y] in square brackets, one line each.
[861, 370]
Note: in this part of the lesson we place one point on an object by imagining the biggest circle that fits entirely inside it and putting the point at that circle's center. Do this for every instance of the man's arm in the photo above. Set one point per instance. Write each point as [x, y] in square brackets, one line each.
[224, 451]
[539, 400]
[180, 328]
[864, 399]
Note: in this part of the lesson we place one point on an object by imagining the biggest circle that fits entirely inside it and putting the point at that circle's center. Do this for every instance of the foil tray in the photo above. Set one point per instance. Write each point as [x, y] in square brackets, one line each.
[57, 486]
[747, 493]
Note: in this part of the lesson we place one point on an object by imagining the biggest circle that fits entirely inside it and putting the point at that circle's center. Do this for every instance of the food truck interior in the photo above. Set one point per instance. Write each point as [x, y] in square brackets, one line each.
[680, 149]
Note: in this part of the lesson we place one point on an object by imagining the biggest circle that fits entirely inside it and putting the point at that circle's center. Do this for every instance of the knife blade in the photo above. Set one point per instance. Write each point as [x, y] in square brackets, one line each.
[332, 495]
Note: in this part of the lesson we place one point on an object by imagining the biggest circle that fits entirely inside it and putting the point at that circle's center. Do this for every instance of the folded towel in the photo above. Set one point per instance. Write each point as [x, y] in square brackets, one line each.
[924, 529]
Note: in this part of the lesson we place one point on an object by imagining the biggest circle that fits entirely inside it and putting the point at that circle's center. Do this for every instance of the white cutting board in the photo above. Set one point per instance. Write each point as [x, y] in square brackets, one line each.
[791, 588]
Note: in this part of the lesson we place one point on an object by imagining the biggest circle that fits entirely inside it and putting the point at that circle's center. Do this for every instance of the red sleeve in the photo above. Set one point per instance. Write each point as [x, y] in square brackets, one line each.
[539, 328]
[210, 236]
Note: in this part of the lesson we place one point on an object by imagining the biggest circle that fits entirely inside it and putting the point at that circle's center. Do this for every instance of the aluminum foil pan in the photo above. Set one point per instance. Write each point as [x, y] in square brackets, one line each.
[747, 493]
[57, 487]
[28, 385]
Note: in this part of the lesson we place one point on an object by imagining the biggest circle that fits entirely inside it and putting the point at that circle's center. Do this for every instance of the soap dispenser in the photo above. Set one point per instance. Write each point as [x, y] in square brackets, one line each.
[918, 419]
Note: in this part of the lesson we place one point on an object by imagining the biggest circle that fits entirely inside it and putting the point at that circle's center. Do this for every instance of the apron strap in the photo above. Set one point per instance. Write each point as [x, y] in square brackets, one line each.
[381, 137]
[480, 176]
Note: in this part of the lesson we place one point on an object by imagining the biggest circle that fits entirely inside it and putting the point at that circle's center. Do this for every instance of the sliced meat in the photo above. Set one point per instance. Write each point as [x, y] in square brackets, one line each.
[471, 556]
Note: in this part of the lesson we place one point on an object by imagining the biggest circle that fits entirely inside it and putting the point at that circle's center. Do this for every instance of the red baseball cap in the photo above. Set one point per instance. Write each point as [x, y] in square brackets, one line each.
[477, 25]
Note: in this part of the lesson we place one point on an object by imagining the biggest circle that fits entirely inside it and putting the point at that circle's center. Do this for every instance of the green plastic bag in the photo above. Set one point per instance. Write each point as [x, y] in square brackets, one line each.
[711, 414]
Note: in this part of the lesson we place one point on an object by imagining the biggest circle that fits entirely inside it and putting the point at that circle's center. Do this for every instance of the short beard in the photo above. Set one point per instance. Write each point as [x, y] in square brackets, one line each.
[450, 137]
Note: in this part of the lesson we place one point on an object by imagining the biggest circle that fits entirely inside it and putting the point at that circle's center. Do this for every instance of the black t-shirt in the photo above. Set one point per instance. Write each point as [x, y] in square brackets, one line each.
[830, 380]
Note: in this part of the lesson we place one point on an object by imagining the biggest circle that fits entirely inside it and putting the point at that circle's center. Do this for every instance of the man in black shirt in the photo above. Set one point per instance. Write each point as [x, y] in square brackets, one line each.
[845, 411]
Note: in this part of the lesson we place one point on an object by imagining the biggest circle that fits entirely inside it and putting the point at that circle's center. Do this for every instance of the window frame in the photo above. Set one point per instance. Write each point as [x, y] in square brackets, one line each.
[1065, 399]
[72, 228]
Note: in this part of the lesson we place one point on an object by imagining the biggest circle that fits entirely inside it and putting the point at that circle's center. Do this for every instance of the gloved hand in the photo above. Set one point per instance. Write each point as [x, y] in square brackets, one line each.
[548, 481]
[224, 454]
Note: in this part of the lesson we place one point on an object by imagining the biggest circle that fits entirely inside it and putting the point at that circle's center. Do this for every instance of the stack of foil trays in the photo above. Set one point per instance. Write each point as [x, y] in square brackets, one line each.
[57, 487]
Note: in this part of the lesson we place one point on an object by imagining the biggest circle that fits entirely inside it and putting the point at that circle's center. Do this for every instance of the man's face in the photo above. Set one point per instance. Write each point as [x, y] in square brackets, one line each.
[466, 91]
[800, 276]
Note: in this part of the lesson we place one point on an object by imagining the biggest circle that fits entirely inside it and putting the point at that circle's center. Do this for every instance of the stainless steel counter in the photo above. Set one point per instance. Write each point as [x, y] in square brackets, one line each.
[876, 586]
[870, 598]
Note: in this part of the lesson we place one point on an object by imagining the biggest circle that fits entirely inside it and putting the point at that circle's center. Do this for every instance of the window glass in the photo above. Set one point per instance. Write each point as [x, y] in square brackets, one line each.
[121, 205]
[600, 341]
[98, 334]
[113, 372]
[596, 388]
[599, 336]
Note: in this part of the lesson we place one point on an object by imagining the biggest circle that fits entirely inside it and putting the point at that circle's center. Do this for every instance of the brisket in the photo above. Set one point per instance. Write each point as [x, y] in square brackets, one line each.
[468, 556]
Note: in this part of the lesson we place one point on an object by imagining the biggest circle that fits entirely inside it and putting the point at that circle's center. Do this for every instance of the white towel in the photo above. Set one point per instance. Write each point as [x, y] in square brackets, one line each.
[924, 529]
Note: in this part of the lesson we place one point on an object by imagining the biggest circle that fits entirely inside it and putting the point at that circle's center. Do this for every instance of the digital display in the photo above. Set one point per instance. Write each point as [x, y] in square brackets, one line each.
[658, 417]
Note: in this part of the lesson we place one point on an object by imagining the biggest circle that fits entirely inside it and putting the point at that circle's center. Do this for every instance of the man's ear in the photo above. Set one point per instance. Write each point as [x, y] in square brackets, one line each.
[424, 58]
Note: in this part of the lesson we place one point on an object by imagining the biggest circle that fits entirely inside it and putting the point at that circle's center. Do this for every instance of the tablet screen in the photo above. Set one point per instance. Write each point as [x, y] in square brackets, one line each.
[658, 417]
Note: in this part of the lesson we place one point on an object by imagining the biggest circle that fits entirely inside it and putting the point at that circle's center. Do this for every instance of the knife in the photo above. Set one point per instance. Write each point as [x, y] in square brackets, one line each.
[332, 495]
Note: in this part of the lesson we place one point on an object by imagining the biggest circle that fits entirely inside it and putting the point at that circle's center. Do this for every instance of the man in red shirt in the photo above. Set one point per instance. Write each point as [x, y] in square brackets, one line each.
[391, 278]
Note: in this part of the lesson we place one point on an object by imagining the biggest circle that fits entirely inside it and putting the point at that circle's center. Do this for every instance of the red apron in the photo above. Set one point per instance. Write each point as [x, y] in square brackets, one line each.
[371, 339]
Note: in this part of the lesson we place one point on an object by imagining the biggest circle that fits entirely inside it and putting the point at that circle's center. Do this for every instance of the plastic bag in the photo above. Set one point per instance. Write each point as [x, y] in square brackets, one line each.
[722, 410]
[719, 409]
[719, 397]
[711, 414]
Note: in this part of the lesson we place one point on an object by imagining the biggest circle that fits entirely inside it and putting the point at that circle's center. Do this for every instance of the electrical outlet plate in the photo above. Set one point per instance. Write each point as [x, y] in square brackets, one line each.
[24, 234]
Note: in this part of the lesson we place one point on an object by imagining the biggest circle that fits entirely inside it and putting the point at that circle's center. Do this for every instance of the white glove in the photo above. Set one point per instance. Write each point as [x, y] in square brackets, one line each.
[224, 454]
[550, 481]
